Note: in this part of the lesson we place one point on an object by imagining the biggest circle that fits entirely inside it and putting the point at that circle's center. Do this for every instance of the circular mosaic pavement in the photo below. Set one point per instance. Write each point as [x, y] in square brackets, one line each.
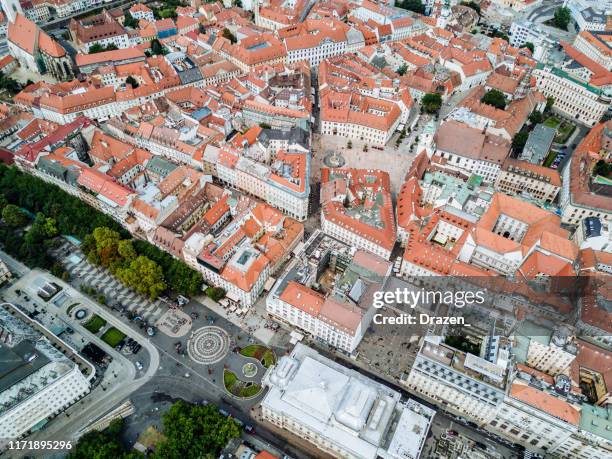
[208, 345]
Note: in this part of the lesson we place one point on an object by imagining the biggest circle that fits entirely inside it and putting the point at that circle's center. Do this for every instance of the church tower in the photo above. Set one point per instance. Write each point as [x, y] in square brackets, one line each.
[11, 9]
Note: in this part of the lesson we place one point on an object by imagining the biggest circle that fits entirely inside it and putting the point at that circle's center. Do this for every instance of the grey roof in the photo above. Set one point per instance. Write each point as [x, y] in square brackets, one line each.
[19, 362]
[160, 166]
[294, 135]
[538, 143]
[68, 174]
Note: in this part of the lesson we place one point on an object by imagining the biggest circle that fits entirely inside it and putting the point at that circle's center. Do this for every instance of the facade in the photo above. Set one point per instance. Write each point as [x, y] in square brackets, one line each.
[523, 178]
[435, 377]
[596, 46]
[575, 99]
[40, 381]
[345, 414]
[580, 197]
[338, 315]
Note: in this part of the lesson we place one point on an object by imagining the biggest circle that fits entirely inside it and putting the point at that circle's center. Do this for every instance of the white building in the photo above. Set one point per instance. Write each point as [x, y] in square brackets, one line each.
[522, 32]
[342, 412]
[590, 14]
[596, 47]
[434, 377]
[38, 381]
[594, 233]
[577, 100]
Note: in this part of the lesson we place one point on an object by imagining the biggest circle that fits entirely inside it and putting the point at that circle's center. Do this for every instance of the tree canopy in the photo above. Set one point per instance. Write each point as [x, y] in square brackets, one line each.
[105, 444]
[132, 82]
[412, 5]
[562, 18]
[14, 216]
[98, 48]
[494, 97]
[529, 46]
[229, 35]
[402, 69]
[519, 140]
[432, 102]
[130, 21]
[195, 431]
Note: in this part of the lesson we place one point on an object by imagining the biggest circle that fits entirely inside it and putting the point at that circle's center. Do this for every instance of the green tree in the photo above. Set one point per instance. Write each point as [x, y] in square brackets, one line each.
[602, 168]
[194, 431]
[10, 85]
[107, 247]
[494, 97]
[132, 82]
[105, 444]
[143, 275]
[562, 18]
[157, 48]
[130, 21]
[550, 101]
[126, 250]
[215, 293]
[529, 46]
[412, 5]
[475, 6]
[519, 140]
[3, 202]
[402, 69]
[536, 117]
[431, 102]
[14, 216]
[229, 35]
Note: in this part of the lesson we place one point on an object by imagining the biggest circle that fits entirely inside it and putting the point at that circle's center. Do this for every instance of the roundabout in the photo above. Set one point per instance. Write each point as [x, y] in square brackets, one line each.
[208, 345]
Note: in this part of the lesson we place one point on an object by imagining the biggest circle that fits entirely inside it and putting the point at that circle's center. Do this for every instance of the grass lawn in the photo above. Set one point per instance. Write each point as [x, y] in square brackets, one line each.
[112, 337]
[250, 391]
[564, 128]
[71, 307]
[237, 387]
[95, 324]
[268, 359]
[549, 159]
[552, 122]
[229, 379]
[262, 353]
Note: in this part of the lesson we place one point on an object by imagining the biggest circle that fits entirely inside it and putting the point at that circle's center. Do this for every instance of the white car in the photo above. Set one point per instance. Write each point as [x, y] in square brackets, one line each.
[138, 365]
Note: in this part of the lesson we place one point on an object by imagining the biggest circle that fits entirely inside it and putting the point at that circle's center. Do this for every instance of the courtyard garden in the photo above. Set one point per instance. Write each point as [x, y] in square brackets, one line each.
[564, 128]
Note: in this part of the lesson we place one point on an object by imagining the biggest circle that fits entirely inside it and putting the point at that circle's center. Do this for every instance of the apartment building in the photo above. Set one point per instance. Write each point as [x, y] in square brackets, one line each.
[524, 178]
[345, 414]
[102, 29]
[478, 153]
[577, 94]
[358, 117]
[455, 381]
[283, 185]
[316, 40]
[357, 209]
[596, 46]
[243, 254]
[581, 195]
[339, 314]
[514, 235]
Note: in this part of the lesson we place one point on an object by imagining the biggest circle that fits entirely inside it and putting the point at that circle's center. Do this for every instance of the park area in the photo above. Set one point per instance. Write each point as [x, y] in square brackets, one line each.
[238, 388]
[564, 128]
[94, 324]
[262, 353]
[113, 337]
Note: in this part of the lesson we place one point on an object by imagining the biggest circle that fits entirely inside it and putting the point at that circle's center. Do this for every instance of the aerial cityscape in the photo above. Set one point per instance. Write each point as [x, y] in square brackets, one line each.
[306, 229]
